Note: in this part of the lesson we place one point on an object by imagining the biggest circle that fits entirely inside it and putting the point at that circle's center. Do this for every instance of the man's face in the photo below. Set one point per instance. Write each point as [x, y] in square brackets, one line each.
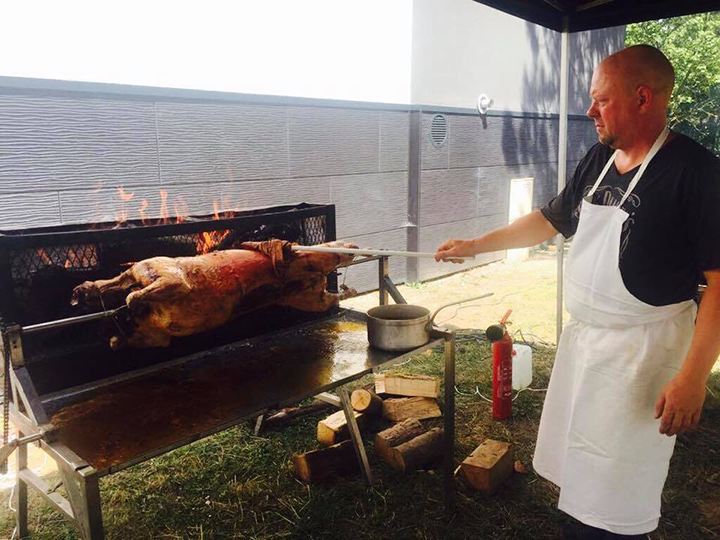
[611, 107]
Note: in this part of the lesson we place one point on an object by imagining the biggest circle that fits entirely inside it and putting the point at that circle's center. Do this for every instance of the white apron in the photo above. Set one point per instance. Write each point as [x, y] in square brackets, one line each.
[598, 439]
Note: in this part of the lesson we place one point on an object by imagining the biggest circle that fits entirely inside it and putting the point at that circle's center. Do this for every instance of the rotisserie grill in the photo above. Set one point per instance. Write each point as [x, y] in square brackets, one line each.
[97, 410]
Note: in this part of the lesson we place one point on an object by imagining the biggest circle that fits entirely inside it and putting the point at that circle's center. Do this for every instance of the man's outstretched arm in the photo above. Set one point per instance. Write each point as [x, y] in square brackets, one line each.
[526, 231]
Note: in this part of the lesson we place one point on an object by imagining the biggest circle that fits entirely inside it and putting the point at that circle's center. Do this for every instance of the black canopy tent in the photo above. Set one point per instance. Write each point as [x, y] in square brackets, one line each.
[568, 16]
[594, 14]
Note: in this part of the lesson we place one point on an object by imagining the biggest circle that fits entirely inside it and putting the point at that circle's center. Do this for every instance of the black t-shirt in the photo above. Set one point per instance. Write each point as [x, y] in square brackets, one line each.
[672, 233]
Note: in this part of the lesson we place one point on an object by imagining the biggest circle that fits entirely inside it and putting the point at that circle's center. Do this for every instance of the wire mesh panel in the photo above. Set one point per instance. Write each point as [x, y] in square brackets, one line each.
[40, 267]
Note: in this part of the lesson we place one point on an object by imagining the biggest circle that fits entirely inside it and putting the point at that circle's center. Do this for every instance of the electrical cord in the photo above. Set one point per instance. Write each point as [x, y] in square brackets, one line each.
[483, 304]
[466, 335]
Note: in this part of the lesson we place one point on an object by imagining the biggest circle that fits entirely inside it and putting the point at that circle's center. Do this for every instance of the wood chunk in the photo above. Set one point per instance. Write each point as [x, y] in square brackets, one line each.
[366, 401]
[400, 433]
[488, 466]
[399, 409]
[334, 428]
[380, 384]
[326, 463]
[419, 451]
[412, 385]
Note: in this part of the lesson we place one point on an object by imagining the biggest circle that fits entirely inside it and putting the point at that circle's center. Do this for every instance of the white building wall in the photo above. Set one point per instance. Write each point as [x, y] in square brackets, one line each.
[461, 49]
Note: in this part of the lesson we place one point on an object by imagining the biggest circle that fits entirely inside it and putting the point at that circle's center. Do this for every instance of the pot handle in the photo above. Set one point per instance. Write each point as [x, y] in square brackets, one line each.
[430, 322]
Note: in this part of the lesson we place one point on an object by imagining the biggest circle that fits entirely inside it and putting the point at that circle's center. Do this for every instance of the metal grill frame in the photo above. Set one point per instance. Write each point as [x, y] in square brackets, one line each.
[15, 243]
[82, 507]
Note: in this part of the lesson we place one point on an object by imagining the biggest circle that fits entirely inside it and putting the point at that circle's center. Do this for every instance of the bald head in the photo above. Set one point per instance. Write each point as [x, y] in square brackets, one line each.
[630, 92]
[643, 65]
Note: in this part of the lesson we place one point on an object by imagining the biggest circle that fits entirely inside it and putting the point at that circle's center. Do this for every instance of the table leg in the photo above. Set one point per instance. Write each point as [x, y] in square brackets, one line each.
[449, 452]
[355, 434]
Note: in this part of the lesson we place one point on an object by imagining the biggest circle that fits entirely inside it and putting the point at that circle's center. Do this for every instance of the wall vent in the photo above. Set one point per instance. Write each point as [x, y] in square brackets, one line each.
[438, 130]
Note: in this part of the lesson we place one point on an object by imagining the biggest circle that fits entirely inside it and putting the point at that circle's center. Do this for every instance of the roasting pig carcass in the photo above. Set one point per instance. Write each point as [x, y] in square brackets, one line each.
[180, 296]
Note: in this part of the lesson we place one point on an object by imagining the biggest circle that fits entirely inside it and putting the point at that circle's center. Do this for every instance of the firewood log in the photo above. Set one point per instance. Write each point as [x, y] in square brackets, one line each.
[402, 432]
[380, 384]
[326, 463]
[399, 409]
[419, 451]
[334, 428]
[412, 385]
[488, 466]
[366, 401]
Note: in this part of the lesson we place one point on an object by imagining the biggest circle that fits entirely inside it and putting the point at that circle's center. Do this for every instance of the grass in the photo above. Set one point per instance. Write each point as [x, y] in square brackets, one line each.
[234, 485]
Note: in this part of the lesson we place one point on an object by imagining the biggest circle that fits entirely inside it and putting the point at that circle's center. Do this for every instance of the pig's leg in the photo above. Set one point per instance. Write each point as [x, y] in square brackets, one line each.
[166, 288]
[316, 298]
[108, 292]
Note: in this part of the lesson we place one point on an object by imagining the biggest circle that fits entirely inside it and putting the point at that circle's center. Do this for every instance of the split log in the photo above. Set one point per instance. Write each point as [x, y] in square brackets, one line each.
[488, 466]
[419, 451]
[399, 409]
[380, 384]
[326, 463]
[334, 428]
[366, 401]
[400, 433]
[412, 385]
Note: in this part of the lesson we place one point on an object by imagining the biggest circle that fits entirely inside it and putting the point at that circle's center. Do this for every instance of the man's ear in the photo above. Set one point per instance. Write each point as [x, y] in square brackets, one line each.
[644, 97]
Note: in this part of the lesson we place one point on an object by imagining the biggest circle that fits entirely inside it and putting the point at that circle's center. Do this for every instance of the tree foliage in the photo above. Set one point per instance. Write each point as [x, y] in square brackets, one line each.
[692, 44]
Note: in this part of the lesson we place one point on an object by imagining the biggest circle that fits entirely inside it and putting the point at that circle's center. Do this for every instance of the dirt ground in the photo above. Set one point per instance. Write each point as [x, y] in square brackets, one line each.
[528, 288]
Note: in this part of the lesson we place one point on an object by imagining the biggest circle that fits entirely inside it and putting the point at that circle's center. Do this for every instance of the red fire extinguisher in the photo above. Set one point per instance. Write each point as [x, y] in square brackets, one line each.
[502, 349]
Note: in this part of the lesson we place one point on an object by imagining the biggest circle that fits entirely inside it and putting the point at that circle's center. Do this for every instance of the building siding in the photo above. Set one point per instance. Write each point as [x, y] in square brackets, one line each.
[77, 157]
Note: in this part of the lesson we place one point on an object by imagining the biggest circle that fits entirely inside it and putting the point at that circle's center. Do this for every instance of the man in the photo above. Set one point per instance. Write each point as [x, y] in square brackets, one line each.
[632, 363]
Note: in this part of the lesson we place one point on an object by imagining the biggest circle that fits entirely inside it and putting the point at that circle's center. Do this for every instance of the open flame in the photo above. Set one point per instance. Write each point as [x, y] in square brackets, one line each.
[181, 210]
[164, 215]
[143, 218]
[44, 257]
[121, 215]
[125, 196]
[209, 240]
[206, 241]
[81, 259]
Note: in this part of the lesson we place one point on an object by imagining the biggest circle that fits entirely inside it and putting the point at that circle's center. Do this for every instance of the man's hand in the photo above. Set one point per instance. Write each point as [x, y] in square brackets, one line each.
[680, 405]
[454, 248]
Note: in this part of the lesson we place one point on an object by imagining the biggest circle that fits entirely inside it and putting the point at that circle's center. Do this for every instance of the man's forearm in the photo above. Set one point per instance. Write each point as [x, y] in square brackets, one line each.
[705, 346]
[526, 231]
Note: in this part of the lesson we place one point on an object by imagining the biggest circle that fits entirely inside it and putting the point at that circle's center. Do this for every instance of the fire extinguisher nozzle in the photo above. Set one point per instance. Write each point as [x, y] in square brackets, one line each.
[495, 332]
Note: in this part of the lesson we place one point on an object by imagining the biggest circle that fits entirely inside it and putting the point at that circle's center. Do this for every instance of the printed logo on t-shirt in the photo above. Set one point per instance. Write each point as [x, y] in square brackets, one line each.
[611, 196]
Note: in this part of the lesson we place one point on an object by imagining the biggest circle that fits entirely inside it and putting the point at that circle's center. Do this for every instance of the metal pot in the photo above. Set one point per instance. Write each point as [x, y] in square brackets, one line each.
[402, 327]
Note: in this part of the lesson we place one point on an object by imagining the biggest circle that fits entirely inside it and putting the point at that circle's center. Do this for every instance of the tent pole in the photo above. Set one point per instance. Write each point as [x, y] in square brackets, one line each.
[562, 163]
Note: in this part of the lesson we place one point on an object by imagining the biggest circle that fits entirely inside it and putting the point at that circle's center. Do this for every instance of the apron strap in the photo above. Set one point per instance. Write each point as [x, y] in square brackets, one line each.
[602, 174]
[651, 154]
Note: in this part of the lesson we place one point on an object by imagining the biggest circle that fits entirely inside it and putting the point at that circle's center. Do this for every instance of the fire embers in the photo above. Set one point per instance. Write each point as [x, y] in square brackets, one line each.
[181, 296]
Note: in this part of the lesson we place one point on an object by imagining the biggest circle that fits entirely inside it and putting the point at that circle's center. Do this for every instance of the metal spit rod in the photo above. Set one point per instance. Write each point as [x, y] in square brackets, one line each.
[70, 321]
[371, 252]
[323, 249]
